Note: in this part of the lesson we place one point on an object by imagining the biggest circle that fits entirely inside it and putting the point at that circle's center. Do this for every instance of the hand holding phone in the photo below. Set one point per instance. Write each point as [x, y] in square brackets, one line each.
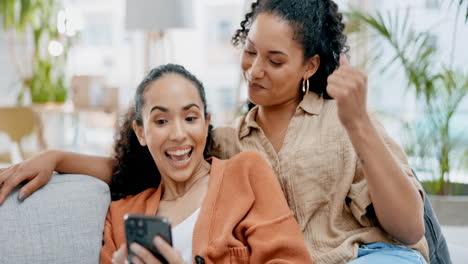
[142, 229]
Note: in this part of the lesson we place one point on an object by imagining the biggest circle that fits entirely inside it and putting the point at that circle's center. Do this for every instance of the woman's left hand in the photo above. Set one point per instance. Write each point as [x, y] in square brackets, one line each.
[348, 86]
[144, 256]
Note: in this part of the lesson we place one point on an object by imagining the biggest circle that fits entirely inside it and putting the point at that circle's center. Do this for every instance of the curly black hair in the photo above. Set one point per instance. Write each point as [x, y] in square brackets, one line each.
[135, 170]
[318, 26]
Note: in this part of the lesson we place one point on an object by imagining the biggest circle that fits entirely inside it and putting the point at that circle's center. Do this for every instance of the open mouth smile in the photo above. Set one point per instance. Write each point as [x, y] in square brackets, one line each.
[179, 158]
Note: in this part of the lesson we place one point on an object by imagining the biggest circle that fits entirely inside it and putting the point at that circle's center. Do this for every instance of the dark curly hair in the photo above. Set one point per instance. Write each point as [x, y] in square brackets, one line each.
[135, 170]
[317, 26]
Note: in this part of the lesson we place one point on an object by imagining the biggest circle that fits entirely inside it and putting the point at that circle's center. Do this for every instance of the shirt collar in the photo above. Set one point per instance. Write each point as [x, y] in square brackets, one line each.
[312, 104]
[249, 122]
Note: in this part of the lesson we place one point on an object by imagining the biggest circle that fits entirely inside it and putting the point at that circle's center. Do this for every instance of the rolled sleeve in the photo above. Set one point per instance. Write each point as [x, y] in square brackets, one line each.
[359, 193]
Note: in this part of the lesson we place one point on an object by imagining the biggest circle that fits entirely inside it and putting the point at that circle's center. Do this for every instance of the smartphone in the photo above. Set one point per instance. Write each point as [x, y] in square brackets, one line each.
[142, 229]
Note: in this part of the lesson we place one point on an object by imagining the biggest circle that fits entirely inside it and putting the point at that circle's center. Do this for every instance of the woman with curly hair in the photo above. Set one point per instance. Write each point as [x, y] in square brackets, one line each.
[348, 183]
[161, 169]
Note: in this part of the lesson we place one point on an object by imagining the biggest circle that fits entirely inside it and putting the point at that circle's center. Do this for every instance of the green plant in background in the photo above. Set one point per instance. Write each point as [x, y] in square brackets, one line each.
[441, 88]
[38, 18]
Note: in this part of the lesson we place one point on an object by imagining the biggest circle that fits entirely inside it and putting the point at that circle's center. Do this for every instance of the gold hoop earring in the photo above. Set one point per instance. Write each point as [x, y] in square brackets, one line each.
[305, 86]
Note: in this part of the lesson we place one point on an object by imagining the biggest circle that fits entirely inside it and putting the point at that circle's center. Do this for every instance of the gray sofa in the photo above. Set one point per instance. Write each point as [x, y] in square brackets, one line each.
[62, 222]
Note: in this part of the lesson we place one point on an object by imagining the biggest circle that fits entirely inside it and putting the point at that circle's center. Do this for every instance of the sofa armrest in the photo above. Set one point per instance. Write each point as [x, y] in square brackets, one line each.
[62, 222]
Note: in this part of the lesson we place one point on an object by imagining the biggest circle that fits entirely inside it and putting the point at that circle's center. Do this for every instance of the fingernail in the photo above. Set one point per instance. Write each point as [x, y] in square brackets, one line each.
[133, 247]
[157, 240]
[21, 196]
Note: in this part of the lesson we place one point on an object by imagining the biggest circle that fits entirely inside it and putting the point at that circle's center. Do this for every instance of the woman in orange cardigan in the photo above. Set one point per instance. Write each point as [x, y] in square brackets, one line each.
[222, 211]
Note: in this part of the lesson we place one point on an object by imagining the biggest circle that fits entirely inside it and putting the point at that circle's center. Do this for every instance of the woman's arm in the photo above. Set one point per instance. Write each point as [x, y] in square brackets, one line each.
[38, 170]
[397, 202]
[74, 163]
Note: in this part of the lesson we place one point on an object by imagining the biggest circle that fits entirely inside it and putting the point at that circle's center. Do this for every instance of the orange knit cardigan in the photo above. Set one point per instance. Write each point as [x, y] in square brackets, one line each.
[243, 219]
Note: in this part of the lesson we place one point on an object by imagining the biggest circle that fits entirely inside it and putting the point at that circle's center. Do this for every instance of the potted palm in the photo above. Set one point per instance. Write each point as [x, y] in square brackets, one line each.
[435, 139]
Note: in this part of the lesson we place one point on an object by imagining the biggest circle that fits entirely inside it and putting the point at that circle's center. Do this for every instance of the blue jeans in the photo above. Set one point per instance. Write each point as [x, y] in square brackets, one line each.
[383, 253]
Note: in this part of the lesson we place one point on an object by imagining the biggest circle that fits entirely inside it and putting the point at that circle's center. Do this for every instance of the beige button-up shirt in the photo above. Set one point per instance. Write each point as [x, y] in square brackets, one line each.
[320, 175]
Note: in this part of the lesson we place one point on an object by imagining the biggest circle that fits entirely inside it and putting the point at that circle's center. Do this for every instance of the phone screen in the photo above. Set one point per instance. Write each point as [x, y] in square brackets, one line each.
[143, 228]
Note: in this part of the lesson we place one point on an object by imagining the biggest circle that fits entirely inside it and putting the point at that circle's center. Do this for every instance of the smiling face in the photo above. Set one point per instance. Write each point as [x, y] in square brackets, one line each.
[174, 126]
[273, 62]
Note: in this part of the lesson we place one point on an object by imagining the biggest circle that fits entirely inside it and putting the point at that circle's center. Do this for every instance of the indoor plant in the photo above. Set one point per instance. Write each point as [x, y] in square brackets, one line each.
[436, 146]
[35, 22]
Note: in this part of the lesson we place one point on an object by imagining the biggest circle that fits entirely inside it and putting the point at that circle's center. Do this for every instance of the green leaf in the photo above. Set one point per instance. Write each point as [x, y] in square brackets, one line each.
[443, 89]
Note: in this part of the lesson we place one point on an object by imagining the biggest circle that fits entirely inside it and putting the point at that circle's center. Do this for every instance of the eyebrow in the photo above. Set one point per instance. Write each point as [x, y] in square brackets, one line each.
[163, 109]
[270, 51]
[160, 108]
[185, 108]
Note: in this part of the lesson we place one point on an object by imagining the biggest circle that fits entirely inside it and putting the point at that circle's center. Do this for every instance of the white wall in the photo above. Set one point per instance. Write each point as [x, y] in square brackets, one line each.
[122, 60]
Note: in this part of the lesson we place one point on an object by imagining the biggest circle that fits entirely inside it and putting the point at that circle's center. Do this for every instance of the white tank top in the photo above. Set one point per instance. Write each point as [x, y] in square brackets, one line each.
[182, 235]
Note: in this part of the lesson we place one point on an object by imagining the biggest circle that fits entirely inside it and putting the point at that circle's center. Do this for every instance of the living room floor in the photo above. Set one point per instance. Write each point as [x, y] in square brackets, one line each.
[457, 240]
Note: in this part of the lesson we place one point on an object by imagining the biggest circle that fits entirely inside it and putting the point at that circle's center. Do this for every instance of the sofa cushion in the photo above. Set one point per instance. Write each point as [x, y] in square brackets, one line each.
[63, 222]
